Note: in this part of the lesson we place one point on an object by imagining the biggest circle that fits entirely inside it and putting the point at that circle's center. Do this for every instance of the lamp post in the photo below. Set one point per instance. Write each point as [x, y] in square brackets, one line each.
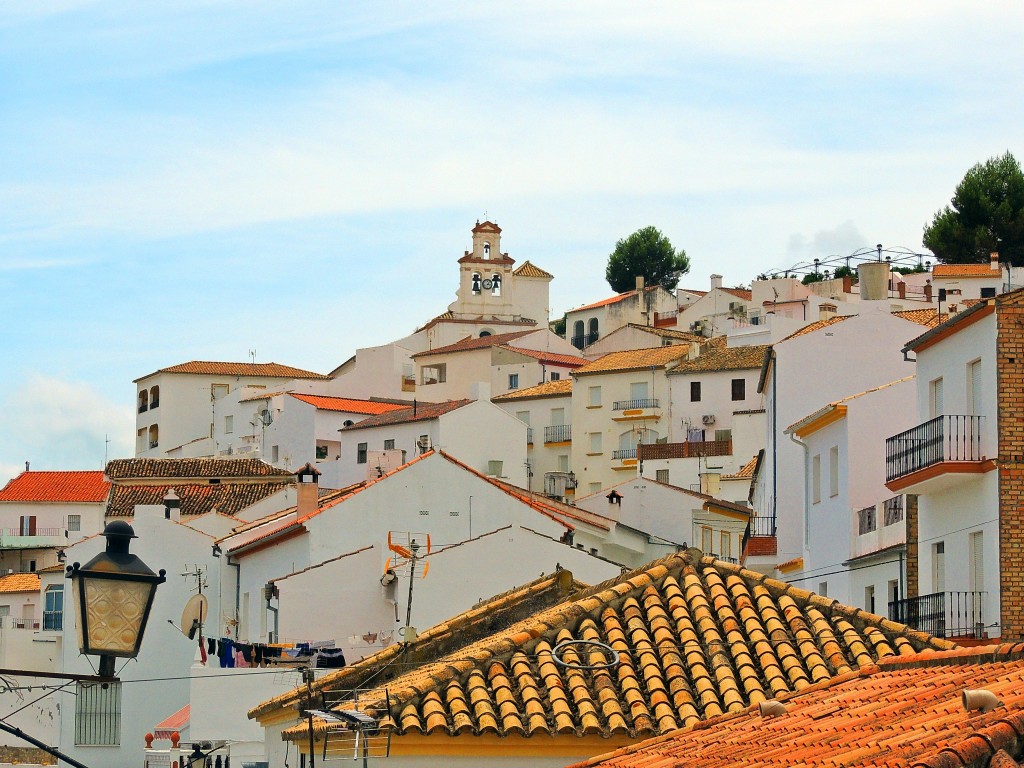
[113, 594]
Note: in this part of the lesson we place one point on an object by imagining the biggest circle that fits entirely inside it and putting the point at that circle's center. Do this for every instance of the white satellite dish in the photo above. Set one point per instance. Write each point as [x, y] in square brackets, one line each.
[194, 615]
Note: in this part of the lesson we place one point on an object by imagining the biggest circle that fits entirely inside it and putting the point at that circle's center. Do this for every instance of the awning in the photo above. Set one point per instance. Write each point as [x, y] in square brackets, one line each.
[177, 722]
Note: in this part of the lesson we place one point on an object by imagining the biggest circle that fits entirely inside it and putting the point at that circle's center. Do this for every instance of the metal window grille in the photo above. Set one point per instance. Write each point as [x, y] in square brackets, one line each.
[892, 510]
[98, 714]
[866, 520]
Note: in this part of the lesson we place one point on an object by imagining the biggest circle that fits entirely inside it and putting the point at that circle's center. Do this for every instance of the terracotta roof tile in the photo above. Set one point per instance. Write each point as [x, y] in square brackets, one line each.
[929, 318]
[722, 358]
[904, 711]
[745, 472]
[740, 293]
[350, 405]
[528, 269]
[85, 486]
[475, 342]
[228, 498]
[635, 359]
[613, 299]
[965, 270]
[818, 325]
[19, 582]
[551, 358]
[547, 389]
[695, 639]
[124, 469]
[419, 412]
[665, 333]
[263, 370]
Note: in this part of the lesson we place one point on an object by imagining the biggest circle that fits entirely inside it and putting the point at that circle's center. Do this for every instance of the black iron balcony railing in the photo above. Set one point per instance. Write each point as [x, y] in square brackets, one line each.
[624, 453]
[583, 341]
[944, 438]
[53, 620]
[558, 433]
[943, 614]
[639, 402]
[757, 527]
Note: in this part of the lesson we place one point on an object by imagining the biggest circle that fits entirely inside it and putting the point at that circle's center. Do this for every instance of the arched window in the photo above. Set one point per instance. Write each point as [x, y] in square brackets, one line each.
[143, 401]
[487, 250]
[154, 436]
[577, 335]
[484, 334]
[154, 397]
[592, 332]
[348, 423]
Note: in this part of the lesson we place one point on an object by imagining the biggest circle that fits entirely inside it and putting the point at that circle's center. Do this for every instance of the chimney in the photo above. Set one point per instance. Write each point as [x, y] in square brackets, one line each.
[172, 506]
[716, 282]
[994, 260]
[639, 283]
[874, 281]
[308, 479]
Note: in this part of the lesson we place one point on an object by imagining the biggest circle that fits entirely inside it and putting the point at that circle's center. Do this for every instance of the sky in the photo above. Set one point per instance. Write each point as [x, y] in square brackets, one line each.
[195, 180]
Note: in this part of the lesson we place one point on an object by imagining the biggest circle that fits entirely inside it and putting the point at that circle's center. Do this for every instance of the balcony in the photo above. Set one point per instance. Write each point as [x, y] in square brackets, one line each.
[935, 455]
[878, 527]
[558, 433]
[18, 538]
[759, 538]
[665, 319]
[637, 408]
[583, 341]
[685, 450]
[625, 453]
[943, 614]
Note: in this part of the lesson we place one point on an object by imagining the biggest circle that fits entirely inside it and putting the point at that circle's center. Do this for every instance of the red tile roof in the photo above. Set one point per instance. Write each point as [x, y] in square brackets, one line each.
[124, 469]
[528, 269]
[197, 498]
[610, 300]
[19, 582]
[85, 486]
[965, 270]
[552, 358]
[740, 293]
[349, 405]
[265, 370]
[419, 412]
[898, 712]
[475, 342]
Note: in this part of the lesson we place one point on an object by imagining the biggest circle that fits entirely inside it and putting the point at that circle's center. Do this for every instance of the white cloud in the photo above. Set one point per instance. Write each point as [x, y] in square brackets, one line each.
[61, 424]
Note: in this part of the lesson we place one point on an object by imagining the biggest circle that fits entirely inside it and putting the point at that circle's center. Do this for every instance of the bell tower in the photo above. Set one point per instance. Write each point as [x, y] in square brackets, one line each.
[486, 241]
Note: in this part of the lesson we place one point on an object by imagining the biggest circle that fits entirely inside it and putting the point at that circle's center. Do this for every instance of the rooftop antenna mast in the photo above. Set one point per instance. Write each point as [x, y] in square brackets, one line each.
[252, 355]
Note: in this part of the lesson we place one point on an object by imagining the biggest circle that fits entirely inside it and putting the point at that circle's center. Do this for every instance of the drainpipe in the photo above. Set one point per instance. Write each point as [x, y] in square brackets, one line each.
[775, 443]
[807, 512]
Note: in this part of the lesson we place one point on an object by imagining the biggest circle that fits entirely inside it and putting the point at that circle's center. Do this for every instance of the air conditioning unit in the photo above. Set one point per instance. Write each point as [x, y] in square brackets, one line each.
[697, 326]
[708, 419]
[423, 443]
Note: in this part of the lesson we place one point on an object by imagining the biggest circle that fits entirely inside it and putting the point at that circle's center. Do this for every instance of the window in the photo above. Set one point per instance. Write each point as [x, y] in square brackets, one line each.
[27, 524]
[661, 475]
[154, 398]
[869, 598]
[976, 562]
[638, 390]
[595, 442]
[974, 387]
[935, 398]
[361, 453]
[389, 445]
[557, 417]
[578, 340]
[694, 391]
[217, 391]
[74, 522]
[893, 590]
[98, 714]
[154, 436]
[595, 397]
[434, 374]
[53, 607]
[816, 479]
[274, 452]
[723, 435]
[726, 549]
[988, 293]
[140, 440]
[555, 376]
[513, 381]
[833, 471]
[321, 452]
[939, 566]
[739, 389]
[592, 331]
[229, 425]
[143, 401]
[706, 540]
[823, 588]
[563, 463]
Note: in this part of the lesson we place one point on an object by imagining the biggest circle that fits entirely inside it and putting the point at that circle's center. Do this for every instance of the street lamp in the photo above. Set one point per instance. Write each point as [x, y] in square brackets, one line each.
[113, 594]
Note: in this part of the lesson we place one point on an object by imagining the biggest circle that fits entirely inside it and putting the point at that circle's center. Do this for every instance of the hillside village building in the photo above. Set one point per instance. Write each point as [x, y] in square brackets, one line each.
[587, 324]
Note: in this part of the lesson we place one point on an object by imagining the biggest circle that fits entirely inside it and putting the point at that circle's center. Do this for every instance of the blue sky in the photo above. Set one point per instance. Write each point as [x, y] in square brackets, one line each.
[192, 180]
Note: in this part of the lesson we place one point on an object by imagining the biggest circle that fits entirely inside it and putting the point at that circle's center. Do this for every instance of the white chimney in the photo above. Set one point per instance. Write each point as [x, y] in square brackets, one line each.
[716, 282]
[639, 283]
[993, 258]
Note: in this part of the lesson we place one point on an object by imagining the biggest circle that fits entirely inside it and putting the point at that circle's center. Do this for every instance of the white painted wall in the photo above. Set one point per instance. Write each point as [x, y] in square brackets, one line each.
[536, 414]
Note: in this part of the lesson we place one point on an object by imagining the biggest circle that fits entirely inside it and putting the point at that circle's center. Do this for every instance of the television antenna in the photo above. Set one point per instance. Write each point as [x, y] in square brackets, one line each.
[408, 551]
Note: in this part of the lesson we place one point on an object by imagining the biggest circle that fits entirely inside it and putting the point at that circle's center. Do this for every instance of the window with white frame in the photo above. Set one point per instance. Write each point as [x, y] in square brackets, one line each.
[595, 442]
[513, 381]
[974, 387]
[935, 397]
[595, 396]
[229, 425]
[74, 522]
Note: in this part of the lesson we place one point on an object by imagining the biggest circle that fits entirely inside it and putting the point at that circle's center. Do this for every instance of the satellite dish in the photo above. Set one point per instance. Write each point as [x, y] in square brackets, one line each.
[194, 615]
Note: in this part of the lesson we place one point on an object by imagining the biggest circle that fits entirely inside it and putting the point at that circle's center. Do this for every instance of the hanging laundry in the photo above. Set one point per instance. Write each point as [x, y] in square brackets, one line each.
[370, 638]
[225, 652]
[240, 661]
[202, 650]
[329, 658]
